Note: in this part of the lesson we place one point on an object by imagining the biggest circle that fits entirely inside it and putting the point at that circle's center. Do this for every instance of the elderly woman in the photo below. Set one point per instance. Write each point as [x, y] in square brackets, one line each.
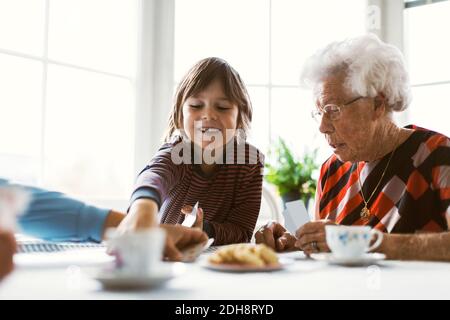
[394, 179]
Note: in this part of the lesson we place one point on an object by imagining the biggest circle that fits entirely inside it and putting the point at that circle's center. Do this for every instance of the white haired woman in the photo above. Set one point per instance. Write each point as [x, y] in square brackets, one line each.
[394, 179]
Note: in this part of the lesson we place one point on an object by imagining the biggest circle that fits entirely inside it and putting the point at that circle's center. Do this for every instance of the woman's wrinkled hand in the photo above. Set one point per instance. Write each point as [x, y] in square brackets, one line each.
[311, 237]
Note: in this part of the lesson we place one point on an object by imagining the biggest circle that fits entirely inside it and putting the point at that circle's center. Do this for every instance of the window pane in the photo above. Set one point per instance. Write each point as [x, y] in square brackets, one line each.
[427, 51]
[429, 108]
[20, 121]
[259, 134]
[415, 3]
[235, 30]
[98, 34]
[300, 28]
[89, 134]
[22, 25]
[19, 168]
[291, 120]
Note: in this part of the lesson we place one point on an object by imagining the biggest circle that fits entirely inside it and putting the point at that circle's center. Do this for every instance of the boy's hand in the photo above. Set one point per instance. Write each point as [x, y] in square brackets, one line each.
[178, 238]
[187, 209]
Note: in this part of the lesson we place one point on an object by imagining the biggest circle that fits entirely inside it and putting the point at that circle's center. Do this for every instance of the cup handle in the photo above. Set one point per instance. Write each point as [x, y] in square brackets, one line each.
[377, 243]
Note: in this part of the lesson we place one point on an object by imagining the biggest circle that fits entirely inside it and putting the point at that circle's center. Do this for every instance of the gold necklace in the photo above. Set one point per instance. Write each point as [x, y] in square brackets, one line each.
[365, 212]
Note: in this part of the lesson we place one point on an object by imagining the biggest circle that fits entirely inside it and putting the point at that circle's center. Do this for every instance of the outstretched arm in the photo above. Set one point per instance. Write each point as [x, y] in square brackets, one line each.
[430, 246]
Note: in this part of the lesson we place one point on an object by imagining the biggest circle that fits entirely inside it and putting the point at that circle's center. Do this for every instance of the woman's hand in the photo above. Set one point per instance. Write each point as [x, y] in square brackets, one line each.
[187, 209]
[311, 237]
[142, 215]
[275, 236]
[7, 250]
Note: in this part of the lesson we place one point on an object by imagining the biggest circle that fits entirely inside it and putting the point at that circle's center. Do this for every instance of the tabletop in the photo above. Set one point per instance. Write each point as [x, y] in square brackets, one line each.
[302, 278]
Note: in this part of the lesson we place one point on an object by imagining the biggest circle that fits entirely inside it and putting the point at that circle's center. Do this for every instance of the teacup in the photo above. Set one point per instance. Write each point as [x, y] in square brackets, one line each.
[351, 241]
[137, 253]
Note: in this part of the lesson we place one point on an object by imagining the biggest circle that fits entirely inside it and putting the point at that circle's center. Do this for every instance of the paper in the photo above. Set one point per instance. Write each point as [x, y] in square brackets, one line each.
[295, 215]
[190, 218]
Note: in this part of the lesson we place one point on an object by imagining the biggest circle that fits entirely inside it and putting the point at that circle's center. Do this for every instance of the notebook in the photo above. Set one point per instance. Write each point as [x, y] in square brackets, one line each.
[36, 253]
[35, 246]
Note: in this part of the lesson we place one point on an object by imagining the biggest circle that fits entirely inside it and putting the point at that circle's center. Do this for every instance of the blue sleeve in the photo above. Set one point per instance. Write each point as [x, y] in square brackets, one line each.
[55, 216]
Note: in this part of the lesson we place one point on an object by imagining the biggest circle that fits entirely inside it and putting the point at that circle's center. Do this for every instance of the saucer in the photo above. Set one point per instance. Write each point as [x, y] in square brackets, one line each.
[115, 280]
[364, 260]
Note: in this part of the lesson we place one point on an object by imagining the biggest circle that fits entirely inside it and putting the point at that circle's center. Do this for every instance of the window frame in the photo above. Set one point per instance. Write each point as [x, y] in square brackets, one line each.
[151, 83]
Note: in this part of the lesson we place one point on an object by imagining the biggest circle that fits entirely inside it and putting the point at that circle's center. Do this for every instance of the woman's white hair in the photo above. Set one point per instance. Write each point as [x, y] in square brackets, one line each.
[371, 67]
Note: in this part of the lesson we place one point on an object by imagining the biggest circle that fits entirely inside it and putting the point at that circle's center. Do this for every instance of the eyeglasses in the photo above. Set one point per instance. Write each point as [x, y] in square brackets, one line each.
[332, 111]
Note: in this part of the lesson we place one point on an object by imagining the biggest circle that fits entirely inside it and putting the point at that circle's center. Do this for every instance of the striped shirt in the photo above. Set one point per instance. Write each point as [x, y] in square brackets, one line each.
[413, 196]
[230, 197]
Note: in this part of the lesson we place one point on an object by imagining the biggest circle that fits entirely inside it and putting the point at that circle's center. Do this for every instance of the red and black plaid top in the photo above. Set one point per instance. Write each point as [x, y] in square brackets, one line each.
[230, 198]
[414, 194]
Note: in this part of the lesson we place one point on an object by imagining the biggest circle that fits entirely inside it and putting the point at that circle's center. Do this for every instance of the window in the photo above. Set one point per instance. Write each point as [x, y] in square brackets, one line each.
[267, 41]
[67, 103]
[427, 52]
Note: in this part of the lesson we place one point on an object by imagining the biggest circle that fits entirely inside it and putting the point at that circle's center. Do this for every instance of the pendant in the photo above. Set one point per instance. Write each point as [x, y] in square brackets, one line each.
[365, 213]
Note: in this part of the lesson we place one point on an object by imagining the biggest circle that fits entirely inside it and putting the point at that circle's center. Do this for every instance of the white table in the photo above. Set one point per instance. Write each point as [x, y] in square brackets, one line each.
[304, 279]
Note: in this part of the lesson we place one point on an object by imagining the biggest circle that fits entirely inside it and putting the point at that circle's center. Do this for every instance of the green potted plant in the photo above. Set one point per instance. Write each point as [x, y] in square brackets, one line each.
[292, 176]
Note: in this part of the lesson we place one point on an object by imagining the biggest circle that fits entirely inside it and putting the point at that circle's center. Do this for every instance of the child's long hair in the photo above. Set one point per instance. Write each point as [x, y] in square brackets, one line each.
[197, 79]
